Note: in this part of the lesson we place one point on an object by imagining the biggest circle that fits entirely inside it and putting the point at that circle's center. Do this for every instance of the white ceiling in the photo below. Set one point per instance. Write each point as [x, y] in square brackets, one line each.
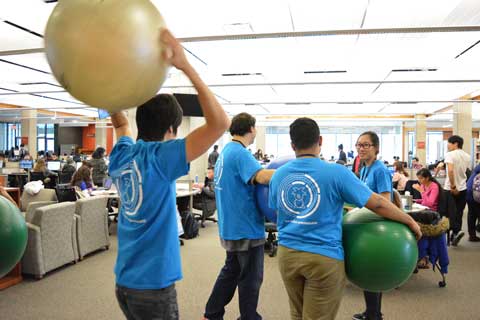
[284, 75]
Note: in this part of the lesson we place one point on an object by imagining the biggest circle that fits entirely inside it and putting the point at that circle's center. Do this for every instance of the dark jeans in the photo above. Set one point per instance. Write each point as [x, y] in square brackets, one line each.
[158, 304]
[245, 270]
[473, 217]
[460, 202]
[373, 300]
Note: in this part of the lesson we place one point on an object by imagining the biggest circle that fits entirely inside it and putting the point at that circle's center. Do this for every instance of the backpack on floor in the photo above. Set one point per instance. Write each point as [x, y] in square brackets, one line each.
[476, 188]
[190, 225]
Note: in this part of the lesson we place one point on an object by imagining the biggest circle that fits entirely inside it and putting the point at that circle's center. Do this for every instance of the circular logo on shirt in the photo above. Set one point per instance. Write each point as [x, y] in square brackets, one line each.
[300, 195]
[131, 194]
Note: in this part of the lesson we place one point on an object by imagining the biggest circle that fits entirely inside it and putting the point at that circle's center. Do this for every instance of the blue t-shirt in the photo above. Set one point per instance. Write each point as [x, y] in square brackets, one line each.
[476, 171]
[148, 247]
[308, 195]
[377, 177]
[238, 216]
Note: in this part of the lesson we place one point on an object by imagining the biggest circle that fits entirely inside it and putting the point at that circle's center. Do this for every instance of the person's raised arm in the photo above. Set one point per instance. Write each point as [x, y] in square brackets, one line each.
[121, 125]
[387, 209]
[217, 122]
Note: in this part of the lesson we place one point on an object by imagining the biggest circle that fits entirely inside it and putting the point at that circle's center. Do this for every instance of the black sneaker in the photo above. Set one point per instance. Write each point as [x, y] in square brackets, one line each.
[360, 316]
[457, 237]
[474, 239]
[363, 316]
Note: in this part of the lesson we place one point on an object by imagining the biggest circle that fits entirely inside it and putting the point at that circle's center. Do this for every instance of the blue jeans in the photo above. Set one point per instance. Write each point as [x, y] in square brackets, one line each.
[159, 304]
[242, 269]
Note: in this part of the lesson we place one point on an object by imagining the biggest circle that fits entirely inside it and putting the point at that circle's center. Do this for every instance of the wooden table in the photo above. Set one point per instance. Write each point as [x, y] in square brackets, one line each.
[14, 192]
[15, 276]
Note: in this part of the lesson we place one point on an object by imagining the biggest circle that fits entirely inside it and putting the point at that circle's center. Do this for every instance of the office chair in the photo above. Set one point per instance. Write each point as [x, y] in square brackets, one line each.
[65, 177]
[208, 207]
[37, 176]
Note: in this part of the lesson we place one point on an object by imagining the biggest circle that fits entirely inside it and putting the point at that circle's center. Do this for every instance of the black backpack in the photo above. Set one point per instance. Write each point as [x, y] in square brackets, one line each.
[190, 225]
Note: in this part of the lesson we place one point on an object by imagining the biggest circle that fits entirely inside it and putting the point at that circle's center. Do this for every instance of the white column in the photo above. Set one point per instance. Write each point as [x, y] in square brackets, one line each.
[260, 139]
[100, 135]
[29, 129]
[462, 124]
[421, 138]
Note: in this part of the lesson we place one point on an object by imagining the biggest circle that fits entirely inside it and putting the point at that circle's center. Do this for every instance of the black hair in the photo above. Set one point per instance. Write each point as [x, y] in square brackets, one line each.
[340, 146]
[425, 173]
[242, 124]
[373, 137]
[304, 133]
[156, 116]
[415, 158]
[215, 147]
[98, 153]
[456, 139]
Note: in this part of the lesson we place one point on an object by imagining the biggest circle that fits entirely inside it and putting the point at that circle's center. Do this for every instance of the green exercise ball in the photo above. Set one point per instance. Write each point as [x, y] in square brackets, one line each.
[106, 53]
[380, 255]
[13, 236]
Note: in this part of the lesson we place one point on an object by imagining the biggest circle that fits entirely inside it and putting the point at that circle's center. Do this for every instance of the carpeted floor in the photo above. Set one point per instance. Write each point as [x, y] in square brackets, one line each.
[86, 290]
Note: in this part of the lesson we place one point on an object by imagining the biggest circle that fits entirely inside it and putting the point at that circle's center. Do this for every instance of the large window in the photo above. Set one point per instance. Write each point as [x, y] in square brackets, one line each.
[277, 141]
[10, 135]
[435, 150]
[45, 137]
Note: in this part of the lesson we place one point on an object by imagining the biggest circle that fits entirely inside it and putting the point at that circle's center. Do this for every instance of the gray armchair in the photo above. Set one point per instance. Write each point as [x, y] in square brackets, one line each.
[43, 195]
[92, 225]
[50, 239]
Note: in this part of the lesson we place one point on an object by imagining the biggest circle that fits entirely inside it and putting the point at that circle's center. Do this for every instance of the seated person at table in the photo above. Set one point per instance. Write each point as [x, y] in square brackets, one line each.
[82, 179]
[69, 167]
[429, 188]
[400, 176]
[41, 166]
[416, 164]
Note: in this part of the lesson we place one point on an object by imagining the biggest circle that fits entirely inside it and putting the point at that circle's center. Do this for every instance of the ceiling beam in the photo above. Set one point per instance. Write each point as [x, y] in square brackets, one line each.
[297, 34]
[317, 33]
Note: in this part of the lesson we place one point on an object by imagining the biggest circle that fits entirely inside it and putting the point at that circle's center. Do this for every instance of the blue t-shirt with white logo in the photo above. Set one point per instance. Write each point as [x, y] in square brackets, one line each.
[377, 177]
[148, 247]
[308, 195]
[238, 216]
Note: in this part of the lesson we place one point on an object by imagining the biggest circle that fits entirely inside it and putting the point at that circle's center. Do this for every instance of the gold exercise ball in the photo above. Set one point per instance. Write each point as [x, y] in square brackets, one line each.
[106, 53]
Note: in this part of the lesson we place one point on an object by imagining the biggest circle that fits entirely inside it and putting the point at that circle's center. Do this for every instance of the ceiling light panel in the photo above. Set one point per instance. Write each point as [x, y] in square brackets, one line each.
[408, 13]
[31, 14]
[16, 39]
[325, 15]
[334, 93]
[210, 18]
[33, 60]
[423, 91]
[247, 95]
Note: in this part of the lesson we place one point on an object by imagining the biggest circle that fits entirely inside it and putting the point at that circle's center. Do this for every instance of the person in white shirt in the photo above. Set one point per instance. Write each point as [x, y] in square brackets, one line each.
[457, 162]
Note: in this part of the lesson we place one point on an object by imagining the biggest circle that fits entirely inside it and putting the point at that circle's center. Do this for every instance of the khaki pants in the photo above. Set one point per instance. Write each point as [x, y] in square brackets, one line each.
[314, 284]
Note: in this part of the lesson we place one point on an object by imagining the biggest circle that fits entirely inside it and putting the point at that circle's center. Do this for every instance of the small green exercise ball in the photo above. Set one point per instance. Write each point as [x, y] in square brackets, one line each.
[13, 236]
[380, 255]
